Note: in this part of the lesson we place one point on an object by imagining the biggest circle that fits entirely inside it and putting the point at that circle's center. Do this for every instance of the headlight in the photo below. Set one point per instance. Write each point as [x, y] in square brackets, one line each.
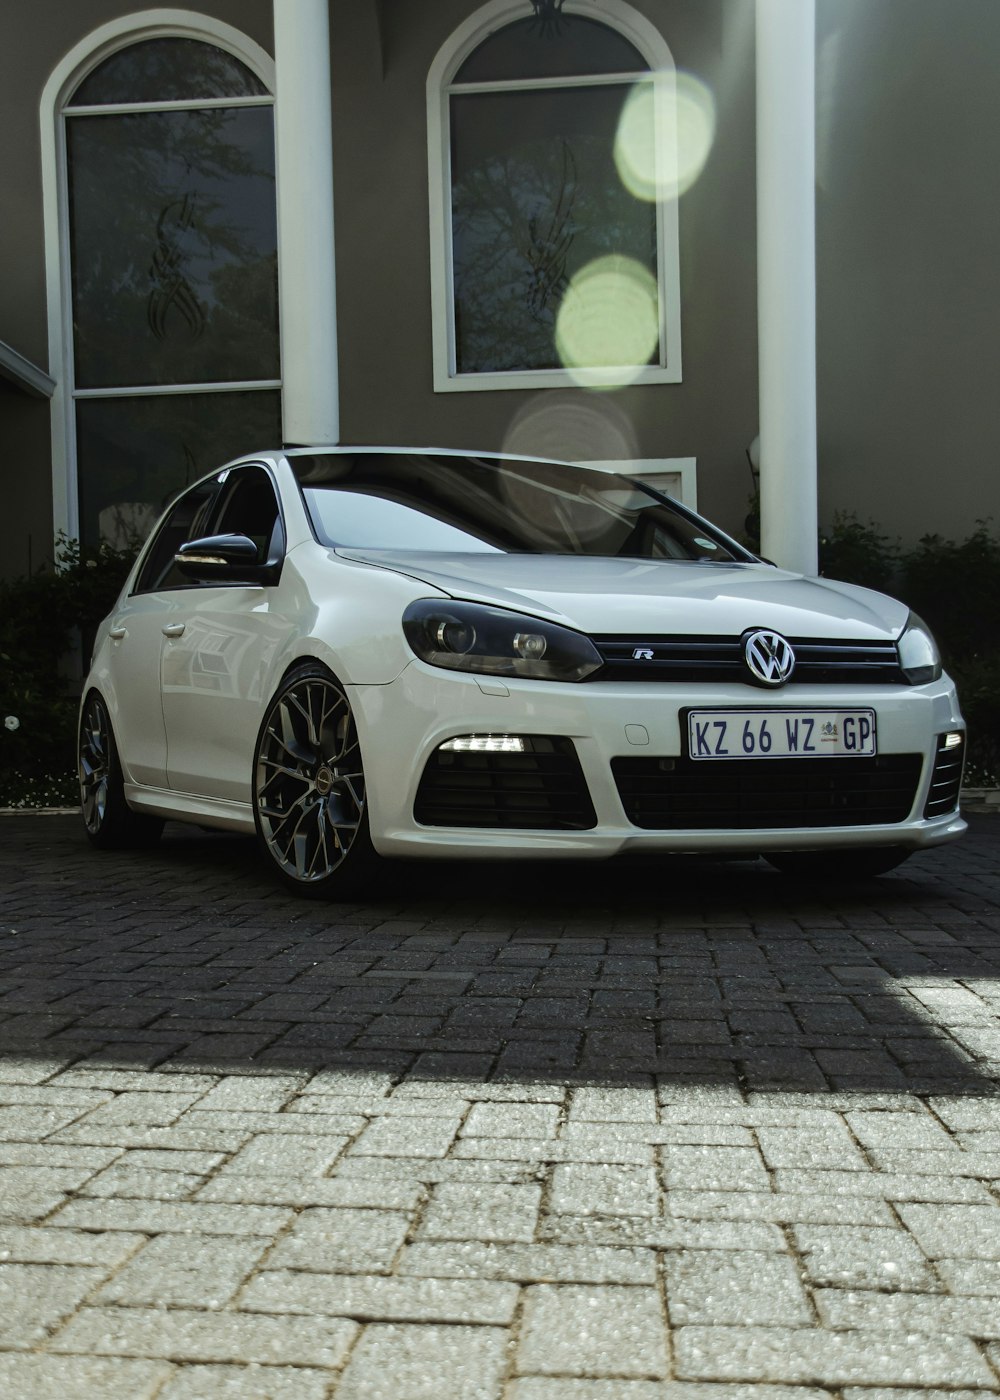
[472, 637]
[919, 657]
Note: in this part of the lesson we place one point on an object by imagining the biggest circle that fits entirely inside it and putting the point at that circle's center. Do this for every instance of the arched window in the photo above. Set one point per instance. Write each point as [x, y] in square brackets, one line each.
[553, 224]
[167, 275]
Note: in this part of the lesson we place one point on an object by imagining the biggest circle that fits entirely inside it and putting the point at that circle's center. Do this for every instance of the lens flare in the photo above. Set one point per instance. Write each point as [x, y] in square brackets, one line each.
[663, 169]
[608, 326]
[564, 425]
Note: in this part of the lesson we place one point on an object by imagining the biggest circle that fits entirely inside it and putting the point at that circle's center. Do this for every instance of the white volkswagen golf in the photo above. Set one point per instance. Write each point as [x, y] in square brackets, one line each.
[362, 653]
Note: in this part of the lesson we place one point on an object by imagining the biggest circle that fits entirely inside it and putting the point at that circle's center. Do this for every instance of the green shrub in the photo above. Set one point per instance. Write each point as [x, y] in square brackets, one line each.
[47, 625]
[858, 553]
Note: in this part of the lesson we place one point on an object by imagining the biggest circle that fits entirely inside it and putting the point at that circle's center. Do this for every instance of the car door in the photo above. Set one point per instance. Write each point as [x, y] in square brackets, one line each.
[217, 658]
[139, 627]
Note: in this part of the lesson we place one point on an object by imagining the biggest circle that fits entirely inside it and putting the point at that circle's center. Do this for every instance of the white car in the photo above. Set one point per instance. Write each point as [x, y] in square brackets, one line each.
[365, 653]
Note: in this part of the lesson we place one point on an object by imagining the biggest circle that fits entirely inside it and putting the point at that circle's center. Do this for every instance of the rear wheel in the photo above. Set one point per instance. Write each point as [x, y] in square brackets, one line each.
[860, 864]
[108, 820]
[309, 794]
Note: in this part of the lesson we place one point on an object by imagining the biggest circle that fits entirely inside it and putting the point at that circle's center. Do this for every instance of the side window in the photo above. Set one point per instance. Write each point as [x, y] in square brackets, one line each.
[248, 506]
[184, 522]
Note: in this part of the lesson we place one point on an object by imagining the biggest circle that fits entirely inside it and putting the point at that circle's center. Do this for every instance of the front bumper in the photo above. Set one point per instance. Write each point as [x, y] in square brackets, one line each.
[402, 724]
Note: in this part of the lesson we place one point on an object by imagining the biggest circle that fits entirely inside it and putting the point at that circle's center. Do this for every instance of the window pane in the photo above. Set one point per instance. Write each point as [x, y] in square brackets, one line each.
[167, 70]
[520, 50]
[173, 247]
[134, 453]
[536, 196]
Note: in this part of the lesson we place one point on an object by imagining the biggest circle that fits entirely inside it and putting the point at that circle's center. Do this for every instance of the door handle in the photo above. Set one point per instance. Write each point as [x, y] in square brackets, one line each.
[174, 629]
[117, 633]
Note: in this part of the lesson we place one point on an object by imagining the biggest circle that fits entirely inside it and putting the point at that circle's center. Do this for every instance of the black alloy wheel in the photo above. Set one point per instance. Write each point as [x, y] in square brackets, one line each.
[309, 788]
[107, 818]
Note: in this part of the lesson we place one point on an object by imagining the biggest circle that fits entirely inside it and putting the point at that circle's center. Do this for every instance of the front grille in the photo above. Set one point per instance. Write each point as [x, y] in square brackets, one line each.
[946, 780]
[759, 794]
[817, 661]
[543, 789]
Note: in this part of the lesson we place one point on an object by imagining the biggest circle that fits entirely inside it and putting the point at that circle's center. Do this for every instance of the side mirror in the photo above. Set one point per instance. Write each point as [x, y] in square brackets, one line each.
[224, 559]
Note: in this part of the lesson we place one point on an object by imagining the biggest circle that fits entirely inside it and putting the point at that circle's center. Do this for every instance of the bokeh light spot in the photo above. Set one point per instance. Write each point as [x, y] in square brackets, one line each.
[608, 326]
[651, 169]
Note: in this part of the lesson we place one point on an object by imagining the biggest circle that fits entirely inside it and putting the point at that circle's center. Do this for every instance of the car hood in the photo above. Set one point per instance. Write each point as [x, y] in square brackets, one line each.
[652, 596]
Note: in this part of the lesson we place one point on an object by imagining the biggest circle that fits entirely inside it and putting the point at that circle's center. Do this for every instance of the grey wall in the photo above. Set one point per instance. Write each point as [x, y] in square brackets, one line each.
[908, 234]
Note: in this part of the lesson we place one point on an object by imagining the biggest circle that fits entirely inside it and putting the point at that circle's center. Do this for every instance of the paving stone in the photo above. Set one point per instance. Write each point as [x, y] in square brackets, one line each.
[560, 1388]
[370, 1190]
[846, 1309]
[815, 1356]
[973, 1276]
[373, 1297]
[571, 1329]
[536, 1263]
[598, 1189]
[779, 1205]
[35, 1297]
[186, 1217]
[954, 1232]
[247, 1383]
[511, 1120]
[461, 1210]
[426, 1363]
[187, 1271]
[188, 1335]
[862, 1256]
[406, 1137]
[715, 1169]
[738, 1288]
[55, 1377]
[342, 1241]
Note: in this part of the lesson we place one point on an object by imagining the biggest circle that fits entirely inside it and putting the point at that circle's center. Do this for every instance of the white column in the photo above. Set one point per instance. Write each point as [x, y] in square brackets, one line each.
[786, 280]
[306, 270]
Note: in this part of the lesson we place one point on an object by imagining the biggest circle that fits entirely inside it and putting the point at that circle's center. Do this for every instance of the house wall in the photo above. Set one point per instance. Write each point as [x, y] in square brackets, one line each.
[908, 235]
[384, 312]
[908, 226]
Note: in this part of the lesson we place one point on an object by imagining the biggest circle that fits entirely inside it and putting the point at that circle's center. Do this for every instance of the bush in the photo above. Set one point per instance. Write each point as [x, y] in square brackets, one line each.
[955, 588]
[47, 625]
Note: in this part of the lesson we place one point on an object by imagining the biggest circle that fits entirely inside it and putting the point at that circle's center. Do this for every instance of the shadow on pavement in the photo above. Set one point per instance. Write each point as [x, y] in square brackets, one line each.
[189, 957]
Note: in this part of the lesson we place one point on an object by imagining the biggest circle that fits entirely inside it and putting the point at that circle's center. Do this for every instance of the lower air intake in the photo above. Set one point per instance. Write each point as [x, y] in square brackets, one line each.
[669, 794]
[542, 789]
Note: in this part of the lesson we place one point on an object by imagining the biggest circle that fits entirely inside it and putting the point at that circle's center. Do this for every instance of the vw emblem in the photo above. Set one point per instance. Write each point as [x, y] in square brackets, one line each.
[769, 658]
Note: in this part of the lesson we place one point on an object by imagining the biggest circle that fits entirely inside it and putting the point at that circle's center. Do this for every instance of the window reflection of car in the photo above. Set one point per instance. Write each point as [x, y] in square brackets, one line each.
[368, 653]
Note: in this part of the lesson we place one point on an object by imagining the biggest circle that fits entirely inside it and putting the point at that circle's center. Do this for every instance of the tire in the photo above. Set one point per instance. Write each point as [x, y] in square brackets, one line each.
[862, 863]
[309, 799]
[108, 820]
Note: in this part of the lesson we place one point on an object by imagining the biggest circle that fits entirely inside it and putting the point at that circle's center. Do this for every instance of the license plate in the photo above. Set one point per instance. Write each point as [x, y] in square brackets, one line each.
[781, 734]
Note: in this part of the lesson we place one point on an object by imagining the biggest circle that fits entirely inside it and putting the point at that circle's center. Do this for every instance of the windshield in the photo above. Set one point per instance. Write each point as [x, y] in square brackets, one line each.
[426, 501]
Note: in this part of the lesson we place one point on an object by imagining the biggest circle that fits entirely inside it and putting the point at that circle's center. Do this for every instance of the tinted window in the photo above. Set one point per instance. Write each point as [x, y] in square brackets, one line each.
[184, 522]
[415, 501]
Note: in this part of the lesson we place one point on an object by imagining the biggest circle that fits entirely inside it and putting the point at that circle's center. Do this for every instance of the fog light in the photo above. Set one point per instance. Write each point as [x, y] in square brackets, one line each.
[953, 740]
[484, 743]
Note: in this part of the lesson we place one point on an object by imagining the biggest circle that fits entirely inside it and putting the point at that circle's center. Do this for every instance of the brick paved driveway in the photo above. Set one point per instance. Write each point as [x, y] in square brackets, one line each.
[613, 1133]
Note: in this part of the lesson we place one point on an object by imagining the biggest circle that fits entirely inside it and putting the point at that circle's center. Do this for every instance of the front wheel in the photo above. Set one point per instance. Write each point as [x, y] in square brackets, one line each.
[107, 818]
[309, 795]
[861, 863]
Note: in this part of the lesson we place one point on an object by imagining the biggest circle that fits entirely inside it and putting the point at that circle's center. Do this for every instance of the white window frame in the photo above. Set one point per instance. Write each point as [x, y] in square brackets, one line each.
[616, 14]
[66, 77]
[677, 476]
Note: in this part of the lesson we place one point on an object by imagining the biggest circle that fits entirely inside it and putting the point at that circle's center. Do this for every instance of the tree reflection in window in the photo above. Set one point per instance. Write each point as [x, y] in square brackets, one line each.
[535, 192]
[173, 261]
